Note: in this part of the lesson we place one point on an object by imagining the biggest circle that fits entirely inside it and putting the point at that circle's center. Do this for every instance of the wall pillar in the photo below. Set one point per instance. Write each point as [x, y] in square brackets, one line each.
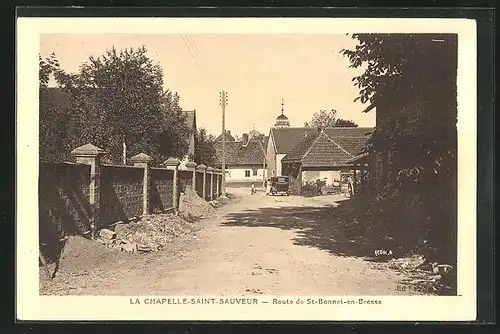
[217, 178]
[91, 155]
[211, 172]
[173, 165]
[191, 166]
[203, 169]
[142, 160]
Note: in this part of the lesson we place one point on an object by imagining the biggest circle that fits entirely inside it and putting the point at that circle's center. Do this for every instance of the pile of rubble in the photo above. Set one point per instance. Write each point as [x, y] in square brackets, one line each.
[407, 263]
[108, 238]
[433, 277]
[193, 207]
[150, 233]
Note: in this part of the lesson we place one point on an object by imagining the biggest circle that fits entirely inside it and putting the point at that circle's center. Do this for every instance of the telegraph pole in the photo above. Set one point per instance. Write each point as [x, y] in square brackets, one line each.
[124, 151]
[223, 103]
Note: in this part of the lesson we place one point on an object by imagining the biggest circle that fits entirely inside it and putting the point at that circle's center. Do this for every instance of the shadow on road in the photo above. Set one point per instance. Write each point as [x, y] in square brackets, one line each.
[327, 228]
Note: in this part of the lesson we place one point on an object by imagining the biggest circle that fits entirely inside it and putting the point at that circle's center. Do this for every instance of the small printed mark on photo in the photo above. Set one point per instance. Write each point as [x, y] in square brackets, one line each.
[383, 252]
[256, 291]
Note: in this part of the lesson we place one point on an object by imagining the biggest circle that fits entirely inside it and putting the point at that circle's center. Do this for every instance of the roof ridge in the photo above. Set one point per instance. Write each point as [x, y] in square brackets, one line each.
[262, 147]
[271, 134]
[312, 144]
[336, 144]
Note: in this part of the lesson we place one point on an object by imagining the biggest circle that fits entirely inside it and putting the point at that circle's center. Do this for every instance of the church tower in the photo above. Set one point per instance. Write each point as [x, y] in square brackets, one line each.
[282, 121]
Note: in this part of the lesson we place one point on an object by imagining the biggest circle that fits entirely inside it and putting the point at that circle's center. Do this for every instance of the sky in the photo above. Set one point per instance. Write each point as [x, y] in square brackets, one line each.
[257, 71]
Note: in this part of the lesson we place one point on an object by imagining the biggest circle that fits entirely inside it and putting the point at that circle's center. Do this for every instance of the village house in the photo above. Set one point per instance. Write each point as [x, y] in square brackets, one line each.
[324, 156]
[309, 154]
[228, 136]
[245, 159]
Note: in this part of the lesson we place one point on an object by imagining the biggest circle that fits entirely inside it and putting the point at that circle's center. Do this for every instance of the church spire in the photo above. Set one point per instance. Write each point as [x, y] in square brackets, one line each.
[282, 120]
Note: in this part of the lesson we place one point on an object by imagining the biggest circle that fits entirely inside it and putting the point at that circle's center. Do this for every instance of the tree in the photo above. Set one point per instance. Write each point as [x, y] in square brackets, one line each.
[418, 108]
[345, 123]
[411, 80]
[322, 119]
[204, 148]
[48, 66]
[54, 112]
[119, 97]
[174, 136]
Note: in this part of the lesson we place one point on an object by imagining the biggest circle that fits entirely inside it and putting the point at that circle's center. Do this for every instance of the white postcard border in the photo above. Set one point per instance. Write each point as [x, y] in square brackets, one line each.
[32, 306]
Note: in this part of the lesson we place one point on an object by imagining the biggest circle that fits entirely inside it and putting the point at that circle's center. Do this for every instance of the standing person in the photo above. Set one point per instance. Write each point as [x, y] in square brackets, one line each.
[318, 188]
[350, 186]
[268, 187]
[253, 189]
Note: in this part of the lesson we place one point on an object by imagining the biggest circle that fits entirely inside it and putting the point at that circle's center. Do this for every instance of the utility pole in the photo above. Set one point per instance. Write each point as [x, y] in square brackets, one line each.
[124, 152]
[223, 103]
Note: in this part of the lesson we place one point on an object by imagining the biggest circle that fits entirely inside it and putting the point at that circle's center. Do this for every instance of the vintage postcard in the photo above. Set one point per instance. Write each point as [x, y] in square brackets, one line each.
[246, 169]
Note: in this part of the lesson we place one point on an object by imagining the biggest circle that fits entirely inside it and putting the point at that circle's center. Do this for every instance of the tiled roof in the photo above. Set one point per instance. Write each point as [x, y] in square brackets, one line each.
[325, 152]
[287, 138]
[265, 140]
[353, 145]
[323, 149]
[298, 151]
[237, 154]
[229, 137]
[253, 133]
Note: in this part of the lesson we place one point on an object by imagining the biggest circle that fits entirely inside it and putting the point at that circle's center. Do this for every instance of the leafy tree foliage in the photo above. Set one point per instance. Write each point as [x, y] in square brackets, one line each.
[411, 81]
[322, 119]
[114, 98]
[328, 119]
[345, 123]
[54, 113]
[205, 148]
[175, 134]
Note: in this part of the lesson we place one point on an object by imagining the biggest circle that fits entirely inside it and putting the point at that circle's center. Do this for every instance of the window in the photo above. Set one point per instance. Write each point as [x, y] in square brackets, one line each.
[247, 173]
[254, 172]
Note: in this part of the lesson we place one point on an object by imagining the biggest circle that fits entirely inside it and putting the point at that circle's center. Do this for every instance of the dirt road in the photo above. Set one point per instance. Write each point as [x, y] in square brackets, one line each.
[257, 244]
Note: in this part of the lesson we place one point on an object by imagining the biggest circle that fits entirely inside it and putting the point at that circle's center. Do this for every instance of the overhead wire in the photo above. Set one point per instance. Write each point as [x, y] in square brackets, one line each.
[191, 52]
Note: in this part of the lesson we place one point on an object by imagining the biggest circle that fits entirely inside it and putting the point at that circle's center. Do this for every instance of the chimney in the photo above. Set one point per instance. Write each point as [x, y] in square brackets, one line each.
[244, 138]
[228, 132]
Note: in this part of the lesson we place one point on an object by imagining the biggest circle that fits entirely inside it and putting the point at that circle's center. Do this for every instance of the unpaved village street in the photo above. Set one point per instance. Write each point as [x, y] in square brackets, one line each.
[256, 244]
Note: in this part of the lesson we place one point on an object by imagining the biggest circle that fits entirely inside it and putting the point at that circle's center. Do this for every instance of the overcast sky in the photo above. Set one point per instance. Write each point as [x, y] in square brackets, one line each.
[257, 71]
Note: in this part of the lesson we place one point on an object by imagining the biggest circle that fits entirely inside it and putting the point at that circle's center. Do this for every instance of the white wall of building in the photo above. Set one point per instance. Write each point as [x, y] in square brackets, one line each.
[312, 176]
[278, 164]
[271, 157]
[239, 174]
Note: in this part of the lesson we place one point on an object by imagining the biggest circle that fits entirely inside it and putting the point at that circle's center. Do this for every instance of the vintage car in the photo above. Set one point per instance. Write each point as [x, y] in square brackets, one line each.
[280, 185]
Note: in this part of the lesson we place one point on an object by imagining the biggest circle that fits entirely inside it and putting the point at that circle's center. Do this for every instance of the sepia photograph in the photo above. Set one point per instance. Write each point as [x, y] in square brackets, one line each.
[241, 168]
